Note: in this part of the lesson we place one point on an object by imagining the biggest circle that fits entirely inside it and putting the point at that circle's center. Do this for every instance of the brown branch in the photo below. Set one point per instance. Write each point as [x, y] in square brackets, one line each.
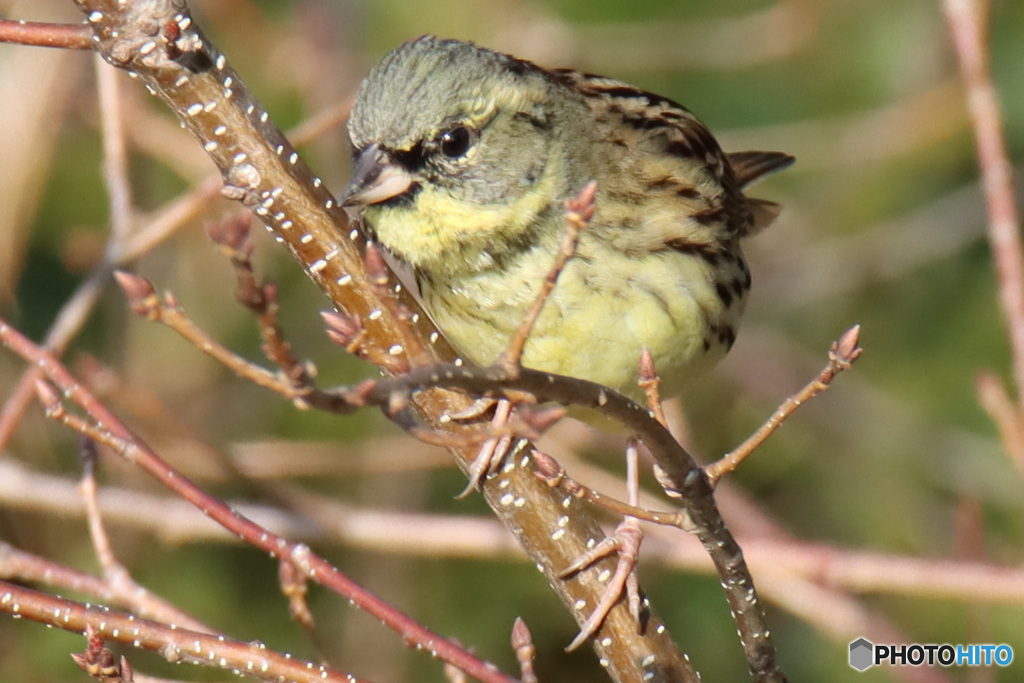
[67, 36]
[106, 429]
[678, 472]
[554, 474]
[294, 386]
[158, 41]
[123, 587]
[175, 644]
[841, 356]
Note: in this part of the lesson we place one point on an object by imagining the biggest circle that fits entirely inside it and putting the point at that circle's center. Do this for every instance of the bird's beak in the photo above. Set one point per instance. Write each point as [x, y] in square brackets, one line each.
[376, 177]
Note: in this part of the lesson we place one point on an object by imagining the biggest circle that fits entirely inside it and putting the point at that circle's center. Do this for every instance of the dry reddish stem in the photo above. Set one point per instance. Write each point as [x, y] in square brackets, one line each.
[67, 36]
[552, 473]
[105, 428]
[175, 644]
[841, 356]
[578, 212]
[651, 384]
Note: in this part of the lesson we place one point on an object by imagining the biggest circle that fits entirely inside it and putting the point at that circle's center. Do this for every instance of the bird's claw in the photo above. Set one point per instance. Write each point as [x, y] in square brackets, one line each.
[625, 540]
[494, 450]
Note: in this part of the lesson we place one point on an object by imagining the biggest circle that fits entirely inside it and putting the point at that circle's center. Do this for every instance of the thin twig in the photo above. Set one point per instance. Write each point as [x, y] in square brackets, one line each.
[296, 387]
[578, 212]
[122, 586]
[841, 356]
[232, 236]
[549, 470]
[67, 36]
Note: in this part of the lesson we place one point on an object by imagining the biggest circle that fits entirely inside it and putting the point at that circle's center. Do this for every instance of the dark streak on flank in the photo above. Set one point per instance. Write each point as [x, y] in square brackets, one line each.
[726, 335]
[710, 254]
[724, 294]
[710, 215]
[747, 280]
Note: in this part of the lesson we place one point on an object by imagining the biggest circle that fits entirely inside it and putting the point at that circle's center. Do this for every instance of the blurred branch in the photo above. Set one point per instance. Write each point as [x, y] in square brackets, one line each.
[67, 36]
[916, 121]
[323, 519]
[1004, 413]
[968, 25]
[780, 30]
[175, 644]
[123, 587]
[115, 156]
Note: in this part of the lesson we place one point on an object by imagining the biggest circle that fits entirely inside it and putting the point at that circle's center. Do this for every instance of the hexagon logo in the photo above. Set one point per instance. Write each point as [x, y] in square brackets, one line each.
[862, 654]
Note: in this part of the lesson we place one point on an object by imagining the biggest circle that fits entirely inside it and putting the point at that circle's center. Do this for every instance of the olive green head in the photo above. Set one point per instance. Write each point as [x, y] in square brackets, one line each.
[455, 146]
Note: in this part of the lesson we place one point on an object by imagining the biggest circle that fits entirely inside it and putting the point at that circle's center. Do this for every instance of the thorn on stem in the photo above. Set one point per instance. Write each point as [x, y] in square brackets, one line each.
[376, 267]
[343, 330]
[548, 468]
[361, 392]
[651, 385]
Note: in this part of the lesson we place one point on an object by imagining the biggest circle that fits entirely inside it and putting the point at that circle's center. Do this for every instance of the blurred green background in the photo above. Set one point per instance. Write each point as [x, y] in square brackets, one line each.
[883, 226]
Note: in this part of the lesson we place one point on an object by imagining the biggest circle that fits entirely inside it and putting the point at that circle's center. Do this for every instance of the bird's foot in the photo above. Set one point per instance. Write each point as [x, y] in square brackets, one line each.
[494, 450]
[625, 540]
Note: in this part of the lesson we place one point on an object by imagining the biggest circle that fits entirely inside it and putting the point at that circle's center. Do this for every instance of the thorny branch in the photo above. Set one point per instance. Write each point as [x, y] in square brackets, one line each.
[106, 429]
[841, 356]
[158, 42]
[246, 182]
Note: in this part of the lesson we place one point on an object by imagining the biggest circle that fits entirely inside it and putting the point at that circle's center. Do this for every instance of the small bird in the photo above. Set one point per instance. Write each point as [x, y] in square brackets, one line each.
[463, 160]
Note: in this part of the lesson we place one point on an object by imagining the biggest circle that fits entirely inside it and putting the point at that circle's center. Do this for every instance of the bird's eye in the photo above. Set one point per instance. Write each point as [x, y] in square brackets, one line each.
[455, 142]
